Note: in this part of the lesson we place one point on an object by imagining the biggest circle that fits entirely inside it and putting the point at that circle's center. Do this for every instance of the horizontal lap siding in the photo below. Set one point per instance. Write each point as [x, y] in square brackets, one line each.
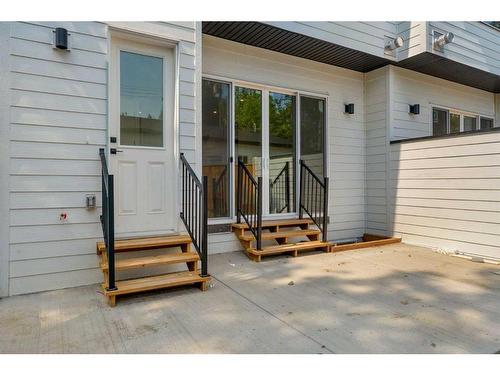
[475, 44]
[410, 87]
[414, 38]
[346, 134]
[367, 37]
[58, 122]
[376, 106]
[451, 198]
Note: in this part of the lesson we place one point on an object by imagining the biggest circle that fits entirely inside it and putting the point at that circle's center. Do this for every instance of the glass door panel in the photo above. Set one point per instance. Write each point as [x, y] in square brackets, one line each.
[282, 153]
[312, 133]
[216, 147]
[248, 130]
[141, 100]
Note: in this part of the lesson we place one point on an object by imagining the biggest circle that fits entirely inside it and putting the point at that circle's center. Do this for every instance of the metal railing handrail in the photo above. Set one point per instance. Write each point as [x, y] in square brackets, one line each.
[250, 191]
[314, 198]
[194, 210]
[107, 218]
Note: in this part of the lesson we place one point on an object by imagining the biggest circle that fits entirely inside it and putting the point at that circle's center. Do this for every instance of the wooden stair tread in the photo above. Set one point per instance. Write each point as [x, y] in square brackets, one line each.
[153, 260]
[156, 282]
[284, 234]
[147, 243]
[278, 249]
[276, 223]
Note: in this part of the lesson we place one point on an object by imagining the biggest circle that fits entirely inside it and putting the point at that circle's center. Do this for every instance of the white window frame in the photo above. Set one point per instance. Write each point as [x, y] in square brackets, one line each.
[265, 88]
[486, 117]
[459, 112]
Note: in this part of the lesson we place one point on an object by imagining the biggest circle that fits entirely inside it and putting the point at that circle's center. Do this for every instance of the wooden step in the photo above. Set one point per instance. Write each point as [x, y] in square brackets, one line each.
[148, 243]
[283, 234]
[292, 249]
[154, 260]
[276, 223]
[155, 282]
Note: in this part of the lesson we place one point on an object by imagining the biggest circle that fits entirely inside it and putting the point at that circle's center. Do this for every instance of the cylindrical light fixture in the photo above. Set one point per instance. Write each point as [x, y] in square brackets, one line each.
[440, 40]
[394, 43]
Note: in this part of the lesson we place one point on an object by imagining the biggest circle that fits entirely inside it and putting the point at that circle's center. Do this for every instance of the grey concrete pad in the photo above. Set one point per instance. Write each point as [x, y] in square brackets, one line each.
[391, 299]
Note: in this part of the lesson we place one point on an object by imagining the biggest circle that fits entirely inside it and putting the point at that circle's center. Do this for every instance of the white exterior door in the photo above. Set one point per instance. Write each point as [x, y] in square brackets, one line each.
[141, 130]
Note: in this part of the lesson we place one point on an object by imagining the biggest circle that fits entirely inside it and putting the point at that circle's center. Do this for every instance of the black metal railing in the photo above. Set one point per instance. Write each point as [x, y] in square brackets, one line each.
[249, 202]
[279, 191]
[314, 198]
[220, 194]
[108, 218]
[194, 211]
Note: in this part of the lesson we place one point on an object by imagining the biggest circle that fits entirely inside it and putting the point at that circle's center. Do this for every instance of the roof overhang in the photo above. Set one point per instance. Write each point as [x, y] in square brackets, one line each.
[262, 35]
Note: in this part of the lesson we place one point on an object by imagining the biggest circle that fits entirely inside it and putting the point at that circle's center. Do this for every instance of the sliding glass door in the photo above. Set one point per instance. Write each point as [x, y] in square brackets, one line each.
[266, 129]
[216, 146]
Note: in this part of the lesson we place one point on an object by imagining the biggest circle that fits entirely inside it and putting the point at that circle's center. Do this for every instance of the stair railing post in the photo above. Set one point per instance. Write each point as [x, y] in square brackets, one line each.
[259, 213]
[238, 200]
[204, 241]
[325, 210]
[287, 185]
[111, 234]
[301, 188]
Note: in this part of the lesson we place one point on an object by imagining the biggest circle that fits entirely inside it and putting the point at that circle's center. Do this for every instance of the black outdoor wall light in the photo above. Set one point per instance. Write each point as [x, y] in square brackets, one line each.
[61, 38]
[414, 109]
[349, 108]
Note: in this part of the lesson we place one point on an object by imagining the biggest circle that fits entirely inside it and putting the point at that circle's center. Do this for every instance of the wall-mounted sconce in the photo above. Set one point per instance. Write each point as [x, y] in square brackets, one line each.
[440, 39]
[61, 38]
[392, 44]
[349, 108]
[414, 109]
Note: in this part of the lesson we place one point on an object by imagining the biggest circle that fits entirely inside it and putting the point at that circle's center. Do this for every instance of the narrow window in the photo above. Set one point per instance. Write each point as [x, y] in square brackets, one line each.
[470, 123]
[486, 123]
[454, 123]
[215, 150]
[439, 122]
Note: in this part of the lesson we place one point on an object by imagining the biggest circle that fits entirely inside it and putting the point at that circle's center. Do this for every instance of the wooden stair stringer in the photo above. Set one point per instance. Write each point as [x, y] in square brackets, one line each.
[151, 282]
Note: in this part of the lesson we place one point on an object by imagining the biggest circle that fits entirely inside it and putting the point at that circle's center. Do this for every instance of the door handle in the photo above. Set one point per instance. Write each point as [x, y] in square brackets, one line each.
[113, 151]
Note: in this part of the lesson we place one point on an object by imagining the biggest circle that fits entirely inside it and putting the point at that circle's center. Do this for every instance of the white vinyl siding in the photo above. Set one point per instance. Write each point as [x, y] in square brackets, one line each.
[409, 87]
[414, 36]
[376, 119]
[367, 37]
[445, 193]
[346, 135]
[475, 44]
[58, 122]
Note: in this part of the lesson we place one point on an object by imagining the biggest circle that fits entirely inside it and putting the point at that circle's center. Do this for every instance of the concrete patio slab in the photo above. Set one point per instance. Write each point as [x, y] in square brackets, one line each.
[391, 299]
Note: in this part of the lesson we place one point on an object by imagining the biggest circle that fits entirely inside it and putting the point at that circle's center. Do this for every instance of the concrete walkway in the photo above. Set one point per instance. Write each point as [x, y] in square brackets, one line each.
[391, 299]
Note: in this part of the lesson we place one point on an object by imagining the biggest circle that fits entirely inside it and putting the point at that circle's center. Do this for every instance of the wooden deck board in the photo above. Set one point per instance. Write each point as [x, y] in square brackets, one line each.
[156, 282]
[147, 243]
[361, 245]
[289, 248]
[284, 234]
[154, 260]
[276, 223]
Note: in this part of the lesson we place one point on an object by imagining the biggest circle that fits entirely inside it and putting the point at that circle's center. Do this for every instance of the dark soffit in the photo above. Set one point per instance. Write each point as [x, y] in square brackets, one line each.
[261, 35]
